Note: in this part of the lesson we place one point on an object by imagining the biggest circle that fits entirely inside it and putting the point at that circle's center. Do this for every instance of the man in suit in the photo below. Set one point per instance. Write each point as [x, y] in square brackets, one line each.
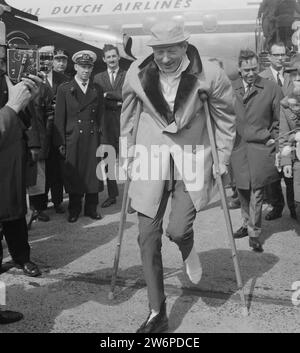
[111, 81]
[78, 115]
[164, 90]
[50, 160]
[257, 106]
[275, 73]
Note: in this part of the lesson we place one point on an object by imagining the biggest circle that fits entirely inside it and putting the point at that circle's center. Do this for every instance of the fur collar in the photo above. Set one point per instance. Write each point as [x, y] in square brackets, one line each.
[149, 77]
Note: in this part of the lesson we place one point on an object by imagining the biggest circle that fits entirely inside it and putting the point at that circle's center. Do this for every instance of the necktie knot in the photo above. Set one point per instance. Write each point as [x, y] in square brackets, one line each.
[84, 84]
[279, 80]
[247, 92]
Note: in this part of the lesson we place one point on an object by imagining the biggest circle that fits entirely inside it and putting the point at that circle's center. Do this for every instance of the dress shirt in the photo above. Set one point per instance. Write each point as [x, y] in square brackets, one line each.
[83, 87]
[169, 82]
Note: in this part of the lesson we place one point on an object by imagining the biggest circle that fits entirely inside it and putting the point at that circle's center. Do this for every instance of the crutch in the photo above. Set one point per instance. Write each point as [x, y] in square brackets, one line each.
[204, 98]
[125, 203]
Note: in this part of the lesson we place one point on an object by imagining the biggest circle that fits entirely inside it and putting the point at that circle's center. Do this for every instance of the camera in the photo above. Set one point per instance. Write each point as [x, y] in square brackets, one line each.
[22, 60]
[46, 60]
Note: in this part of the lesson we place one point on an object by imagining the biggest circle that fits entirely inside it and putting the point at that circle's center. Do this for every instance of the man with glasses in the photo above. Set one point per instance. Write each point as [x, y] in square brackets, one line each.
[275, 73]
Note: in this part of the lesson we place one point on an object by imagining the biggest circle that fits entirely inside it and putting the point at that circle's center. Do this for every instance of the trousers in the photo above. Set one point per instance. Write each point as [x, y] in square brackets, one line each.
[251, 209]
[179, 230]
[16, 236]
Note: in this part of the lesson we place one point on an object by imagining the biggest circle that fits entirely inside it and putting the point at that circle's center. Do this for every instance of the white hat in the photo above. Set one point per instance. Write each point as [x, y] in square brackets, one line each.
[167, 33]
[84, 57]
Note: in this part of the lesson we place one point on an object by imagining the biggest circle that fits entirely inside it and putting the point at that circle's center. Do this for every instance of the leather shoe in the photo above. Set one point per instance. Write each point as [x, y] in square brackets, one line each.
[93, 215]
[157, 324]
[293, 213]
[59, 209]
[30, 269]
[108, 202]
[273, 214]
[255, 244]
[241, 233]
[41, 216]
[8, 317]
[73, 218]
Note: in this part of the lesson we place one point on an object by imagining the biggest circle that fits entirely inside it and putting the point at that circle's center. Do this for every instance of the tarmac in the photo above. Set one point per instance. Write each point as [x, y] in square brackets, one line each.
[77, 259]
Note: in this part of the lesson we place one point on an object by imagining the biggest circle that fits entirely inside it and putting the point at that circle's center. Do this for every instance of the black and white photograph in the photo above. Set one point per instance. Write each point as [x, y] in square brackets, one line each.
[122, 121]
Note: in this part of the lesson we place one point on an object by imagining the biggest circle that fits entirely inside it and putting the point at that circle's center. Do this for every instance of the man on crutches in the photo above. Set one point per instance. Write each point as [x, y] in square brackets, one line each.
[173, 151]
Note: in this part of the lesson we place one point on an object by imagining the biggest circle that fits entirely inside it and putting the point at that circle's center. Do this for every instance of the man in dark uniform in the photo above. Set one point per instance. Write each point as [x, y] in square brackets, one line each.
[60, 61]
[78, 116]
[52, 159]
[54, 172]
[112, 82]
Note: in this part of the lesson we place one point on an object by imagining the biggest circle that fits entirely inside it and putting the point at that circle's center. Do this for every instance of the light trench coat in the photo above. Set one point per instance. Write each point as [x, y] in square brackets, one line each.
[183, 131]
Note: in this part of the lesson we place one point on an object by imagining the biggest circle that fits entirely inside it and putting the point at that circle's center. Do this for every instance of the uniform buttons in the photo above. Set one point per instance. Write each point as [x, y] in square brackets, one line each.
[79, 121]
[92, 132]
[93, 110]
[92, 121]
[80, 131]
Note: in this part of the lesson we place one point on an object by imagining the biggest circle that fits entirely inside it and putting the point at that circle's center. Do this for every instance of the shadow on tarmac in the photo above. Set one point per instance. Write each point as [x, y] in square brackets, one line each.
[218, 280]
[282, 224]
[217, 286]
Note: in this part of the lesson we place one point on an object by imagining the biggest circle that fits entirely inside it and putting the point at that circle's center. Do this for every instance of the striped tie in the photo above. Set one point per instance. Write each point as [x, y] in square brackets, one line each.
[112, 79]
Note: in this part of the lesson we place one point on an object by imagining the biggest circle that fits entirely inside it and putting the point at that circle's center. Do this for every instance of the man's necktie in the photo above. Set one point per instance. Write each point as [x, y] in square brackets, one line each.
[112, 78]
[279, 80]
[247, 93]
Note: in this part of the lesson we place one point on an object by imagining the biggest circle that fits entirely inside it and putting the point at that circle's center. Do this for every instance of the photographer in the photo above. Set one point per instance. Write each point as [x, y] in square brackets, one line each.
[13, 155]
[12, 178]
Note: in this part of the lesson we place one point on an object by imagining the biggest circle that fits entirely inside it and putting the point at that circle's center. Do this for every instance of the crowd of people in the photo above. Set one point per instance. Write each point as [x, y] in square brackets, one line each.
[59, 123]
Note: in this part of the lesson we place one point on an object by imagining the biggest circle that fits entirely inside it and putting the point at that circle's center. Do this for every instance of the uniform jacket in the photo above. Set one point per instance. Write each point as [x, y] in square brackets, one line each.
[12, 166]
[287, 85]
[257, 121]
[57, 79]
[185, 126]
[42, 113]
[77, 127]
[113, 105]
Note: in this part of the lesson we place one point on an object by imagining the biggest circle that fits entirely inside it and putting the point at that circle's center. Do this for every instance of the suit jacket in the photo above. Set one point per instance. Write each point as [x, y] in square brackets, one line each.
[77, 126]
[113, 104]
[287, 85]
[253, 162]
[184, 131]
